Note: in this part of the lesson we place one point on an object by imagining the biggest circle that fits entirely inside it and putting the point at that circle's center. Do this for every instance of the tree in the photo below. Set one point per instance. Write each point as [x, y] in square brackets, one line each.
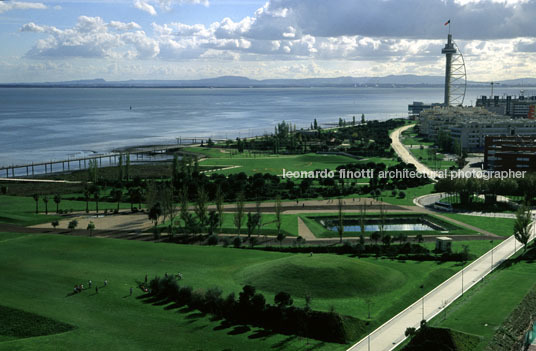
[219, 206]
[283, 299]
[127, 167]
[36, 199]
[375, 236]
[117, 195]
[362, 118]
[57, 200]
[280, 237]
[340, 221]
[154, 214]
[253, 220]
[213, 221]
[522, 226]
[87, 196]
[93, 171]
[55, 223]
[120, 169]
[91, 228]
[201, 206]
[239, 212]
[73, 224]
[362, 217]
[278, 210]
[259, 215]
[419, 238]
[45, 200]
[315, 124]
[134, 196]
[410, 332]
[96, 196]
[386, 239]
[183, 205]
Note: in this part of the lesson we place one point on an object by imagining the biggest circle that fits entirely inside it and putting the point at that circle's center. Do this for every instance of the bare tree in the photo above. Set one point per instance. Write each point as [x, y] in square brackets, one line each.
[239, 212]
[340, 221]
[278, 210]
[219, 206]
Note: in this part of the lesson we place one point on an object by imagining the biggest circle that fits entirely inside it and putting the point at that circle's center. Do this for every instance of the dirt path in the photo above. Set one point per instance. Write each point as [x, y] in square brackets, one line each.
[304, 231]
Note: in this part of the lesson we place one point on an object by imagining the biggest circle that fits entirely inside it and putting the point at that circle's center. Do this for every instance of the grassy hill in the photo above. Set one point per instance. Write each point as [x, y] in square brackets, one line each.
[39, 272]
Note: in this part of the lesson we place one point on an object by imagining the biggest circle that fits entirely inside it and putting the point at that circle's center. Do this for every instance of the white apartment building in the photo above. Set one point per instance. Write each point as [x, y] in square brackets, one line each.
[470, 125]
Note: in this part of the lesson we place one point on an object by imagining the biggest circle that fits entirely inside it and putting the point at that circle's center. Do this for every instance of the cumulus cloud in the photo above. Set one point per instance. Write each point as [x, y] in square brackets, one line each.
[92, 37]
[394, 36]
[166, 5]
[19, 5]
[144, 6]
[423, 19]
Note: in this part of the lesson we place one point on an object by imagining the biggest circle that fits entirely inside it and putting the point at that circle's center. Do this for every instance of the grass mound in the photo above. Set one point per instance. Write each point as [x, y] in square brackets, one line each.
[439, 339]
[323, 276]
[17, 324]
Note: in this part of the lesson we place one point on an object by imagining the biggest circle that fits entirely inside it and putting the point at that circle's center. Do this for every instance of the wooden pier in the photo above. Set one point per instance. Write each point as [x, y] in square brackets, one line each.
[83, 162]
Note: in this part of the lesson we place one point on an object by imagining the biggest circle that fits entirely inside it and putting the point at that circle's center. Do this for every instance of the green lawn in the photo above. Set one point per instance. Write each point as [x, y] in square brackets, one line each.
[275, 164]
[289, 224]
[484, 308]
[20, 210]
[439, 164]
[40, 271]
[410, 194]
[409, 137]
[498, 226]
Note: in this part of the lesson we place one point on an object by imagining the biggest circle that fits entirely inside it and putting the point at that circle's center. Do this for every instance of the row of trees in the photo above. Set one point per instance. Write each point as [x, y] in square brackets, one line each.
[466, 188]
[252, 308]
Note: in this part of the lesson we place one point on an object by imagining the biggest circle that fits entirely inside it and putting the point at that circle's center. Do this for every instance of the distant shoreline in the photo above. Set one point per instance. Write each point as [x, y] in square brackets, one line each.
[392, 86]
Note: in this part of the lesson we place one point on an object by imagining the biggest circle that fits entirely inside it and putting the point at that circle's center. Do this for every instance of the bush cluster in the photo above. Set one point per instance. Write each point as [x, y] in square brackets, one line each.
[406, 251]
[251, 308]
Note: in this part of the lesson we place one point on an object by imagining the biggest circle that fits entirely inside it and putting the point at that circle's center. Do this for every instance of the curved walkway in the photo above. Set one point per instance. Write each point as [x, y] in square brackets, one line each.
[405, 155]
[391, 334]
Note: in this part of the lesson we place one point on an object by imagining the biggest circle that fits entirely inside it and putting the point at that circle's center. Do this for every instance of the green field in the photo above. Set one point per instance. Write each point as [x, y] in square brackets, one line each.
[439, 164]
[484, 308]
[44, 268]
[410, 194]
[289, 224]
[495, 225]
[21, 210]
[275, 164]
[409, 137]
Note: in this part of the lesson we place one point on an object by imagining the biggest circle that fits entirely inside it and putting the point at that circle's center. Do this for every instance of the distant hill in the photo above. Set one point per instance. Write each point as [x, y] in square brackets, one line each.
[244, 82]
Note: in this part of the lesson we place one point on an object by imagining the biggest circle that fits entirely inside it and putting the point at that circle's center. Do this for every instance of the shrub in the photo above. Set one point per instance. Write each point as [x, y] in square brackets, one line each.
[237, 242]
[212, 240]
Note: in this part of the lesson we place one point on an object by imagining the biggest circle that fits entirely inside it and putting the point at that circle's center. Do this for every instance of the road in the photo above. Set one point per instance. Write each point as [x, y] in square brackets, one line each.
[405, 155]
[391, 333]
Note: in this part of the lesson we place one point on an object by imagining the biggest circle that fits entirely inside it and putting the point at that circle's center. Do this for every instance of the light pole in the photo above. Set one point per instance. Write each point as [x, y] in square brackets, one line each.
[462, 281]
[492, 248]
[423, 308]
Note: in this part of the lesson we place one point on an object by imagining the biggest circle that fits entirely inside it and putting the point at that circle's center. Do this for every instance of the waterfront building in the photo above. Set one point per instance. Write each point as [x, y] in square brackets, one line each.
[502, 153]
[470, 125]
[512, 106]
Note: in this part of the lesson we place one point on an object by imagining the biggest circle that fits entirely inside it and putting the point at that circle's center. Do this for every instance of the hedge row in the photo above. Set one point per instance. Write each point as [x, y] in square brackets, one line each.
[251, 308]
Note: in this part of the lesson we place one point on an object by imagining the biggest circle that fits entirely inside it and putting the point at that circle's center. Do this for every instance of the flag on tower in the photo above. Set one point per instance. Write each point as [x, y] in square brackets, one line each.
[448, 22]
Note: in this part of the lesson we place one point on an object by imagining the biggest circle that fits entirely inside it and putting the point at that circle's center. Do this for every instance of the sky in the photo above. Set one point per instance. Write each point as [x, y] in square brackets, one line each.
[190, 39]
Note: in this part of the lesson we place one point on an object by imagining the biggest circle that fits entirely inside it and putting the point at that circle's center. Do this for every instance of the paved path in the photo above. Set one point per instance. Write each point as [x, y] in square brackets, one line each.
[304, 231]
[39, 180]
[405, 155]
[391, 333]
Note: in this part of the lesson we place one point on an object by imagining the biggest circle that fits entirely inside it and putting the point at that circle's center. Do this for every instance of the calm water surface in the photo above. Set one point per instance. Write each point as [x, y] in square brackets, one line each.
[38, 124]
